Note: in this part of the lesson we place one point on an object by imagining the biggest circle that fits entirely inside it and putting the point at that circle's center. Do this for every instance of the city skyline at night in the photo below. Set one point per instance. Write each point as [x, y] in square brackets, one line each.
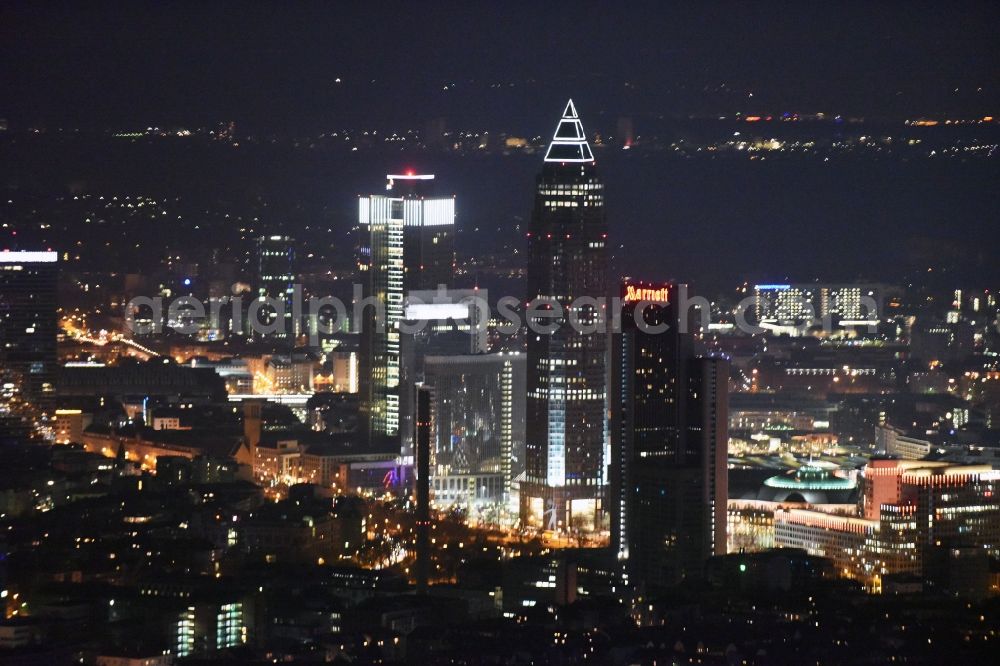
[514, 334]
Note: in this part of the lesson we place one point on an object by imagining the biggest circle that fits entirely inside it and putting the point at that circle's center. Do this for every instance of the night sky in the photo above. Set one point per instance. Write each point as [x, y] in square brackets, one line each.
[275, 63]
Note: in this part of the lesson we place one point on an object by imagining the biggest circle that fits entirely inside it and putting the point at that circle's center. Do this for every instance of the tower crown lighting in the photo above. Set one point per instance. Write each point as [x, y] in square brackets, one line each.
[569, 143]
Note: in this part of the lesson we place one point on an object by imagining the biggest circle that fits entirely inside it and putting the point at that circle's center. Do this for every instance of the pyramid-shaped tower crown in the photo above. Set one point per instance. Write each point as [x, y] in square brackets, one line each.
[569, 143]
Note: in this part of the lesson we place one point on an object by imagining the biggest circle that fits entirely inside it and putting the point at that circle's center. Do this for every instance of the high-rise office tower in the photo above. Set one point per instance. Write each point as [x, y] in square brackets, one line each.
[442, 323]
[478, 398]
[406, 242]
[428, 236]
[274, 278]
[566, 426]
[445, 322]
[708, 440]
[669, 443]
[647, 383]
[28, 323]
[479, 417]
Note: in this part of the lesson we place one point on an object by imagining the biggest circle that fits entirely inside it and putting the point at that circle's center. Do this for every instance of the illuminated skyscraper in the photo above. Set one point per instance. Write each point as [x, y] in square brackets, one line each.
[442, 323]
[566, 425]
[274, 278]
[669, 439]
[479, 418]
[28, 322]
[406, 243]
[478, 398]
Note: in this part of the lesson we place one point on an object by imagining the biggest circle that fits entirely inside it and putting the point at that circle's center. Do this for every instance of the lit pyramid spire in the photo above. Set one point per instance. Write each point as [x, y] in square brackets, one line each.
[569, 144]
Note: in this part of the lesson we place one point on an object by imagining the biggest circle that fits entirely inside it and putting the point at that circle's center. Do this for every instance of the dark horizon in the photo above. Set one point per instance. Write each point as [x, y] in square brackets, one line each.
[710, 221]
[270, 69]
